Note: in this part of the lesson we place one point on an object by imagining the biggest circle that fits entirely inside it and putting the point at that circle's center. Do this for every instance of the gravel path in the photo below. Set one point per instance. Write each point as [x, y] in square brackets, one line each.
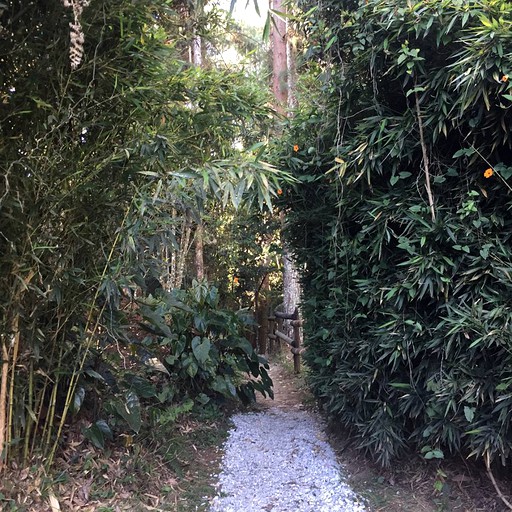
[279, 460]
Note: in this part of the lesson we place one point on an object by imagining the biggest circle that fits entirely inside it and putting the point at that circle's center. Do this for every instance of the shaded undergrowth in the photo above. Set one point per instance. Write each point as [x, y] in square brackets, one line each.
[168, 469]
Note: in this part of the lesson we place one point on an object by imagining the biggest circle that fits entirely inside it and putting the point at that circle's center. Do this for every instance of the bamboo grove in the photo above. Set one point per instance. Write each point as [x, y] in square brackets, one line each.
[108, 163]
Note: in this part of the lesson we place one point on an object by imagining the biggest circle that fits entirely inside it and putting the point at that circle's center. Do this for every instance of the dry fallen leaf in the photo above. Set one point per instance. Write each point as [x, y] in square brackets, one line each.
[54, 503]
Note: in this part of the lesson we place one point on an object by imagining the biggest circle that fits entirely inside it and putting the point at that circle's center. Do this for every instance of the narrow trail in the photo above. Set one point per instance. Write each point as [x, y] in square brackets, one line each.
[277, 459]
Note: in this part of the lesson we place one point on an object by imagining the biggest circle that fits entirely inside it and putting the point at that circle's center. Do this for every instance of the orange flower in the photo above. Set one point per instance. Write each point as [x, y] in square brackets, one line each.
[488, 173]
[296, 148]
[279, 192]
[235, 280]
[504, 78]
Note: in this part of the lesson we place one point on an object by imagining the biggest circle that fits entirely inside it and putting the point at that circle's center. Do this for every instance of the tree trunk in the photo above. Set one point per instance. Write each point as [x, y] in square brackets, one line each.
[291, 62]
[199, 254]
[3, 404]
[291, 286]
[279, 59]
[197, 53]
[182, 255]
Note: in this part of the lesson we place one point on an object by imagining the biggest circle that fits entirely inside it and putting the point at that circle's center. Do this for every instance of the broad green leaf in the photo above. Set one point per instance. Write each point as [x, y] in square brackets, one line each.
[143, 387]
[434, 454]
[94, 374]
[129, 410]
[78, 399]
[201, 349]
[469, 413]
[97, 433]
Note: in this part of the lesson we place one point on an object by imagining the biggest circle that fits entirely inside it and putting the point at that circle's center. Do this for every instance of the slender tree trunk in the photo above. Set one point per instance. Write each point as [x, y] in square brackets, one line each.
[199, 235]
[291, 286]
[197, 53]
[184, 248]
[199, 254]
[173, 263]
[197, 60]
[291, 63]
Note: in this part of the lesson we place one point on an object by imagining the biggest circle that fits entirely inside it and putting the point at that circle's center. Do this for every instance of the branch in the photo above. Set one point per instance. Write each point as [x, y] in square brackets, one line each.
[493, 480]
[426, 165]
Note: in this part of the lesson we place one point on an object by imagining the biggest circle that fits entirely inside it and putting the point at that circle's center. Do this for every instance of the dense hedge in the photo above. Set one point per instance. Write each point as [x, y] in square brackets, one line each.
[407, 300]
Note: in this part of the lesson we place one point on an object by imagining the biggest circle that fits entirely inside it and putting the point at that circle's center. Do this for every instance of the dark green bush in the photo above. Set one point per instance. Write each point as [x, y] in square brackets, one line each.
[194, 353]
[407, 298]
[203, 347]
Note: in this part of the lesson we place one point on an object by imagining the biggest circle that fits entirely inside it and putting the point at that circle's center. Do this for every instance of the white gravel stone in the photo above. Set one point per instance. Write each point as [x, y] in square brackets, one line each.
[279, 461]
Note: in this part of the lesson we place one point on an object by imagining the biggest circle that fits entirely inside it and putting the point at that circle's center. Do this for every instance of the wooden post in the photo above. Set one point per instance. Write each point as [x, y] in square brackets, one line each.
[271, 333]
[296, 339]
[279, 328]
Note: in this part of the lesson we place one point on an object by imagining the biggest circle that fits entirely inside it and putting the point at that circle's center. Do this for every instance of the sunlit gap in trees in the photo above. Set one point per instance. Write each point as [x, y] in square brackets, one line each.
[243, 35]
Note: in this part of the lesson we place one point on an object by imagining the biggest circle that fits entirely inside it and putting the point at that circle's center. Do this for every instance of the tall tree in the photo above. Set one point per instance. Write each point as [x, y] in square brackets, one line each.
[291, 284]
[284, 81]
[197, 60]
[279, 59]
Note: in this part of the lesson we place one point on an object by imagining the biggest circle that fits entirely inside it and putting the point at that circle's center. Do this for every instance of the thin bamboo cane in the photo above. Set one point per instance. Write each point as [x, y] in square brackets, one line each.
[48, 419]
[15, 329]
[30, 419]
[48, 425]
[3, 404]
[173, 263]
[10, 400]
[184, 248]
[39, 404]
[88, 344]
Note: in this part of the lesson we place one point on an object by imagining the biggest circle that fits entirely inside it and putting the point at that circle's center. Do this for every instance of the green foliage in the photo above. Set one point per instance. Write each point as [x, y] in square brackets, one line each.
[203, 347]
[69, 170]
[407, 310]
[240, 250]
[194, 356]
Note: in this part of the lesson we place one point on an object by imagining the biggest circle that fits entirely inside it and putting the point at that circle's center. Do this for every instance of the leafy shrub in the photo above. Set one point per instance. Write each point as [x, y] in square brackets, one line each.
[195, 354]
[202, 345]
[408, 324]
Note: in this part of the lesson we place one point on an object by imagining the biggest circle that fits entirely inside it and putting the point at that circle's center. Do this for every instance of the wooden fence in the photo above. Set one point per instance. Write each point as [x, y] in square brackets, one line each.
[276, 334]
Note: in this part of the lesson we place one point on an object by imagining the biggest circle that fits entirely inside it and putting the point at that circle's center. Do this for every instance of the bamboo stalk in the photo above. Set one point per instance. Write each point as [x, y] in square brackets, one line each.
[48, 424]
[39, 403]
[184, 248]
[173, 263]
[426, 164]
[3, 404]
[30, 420]
[15, 347]
[88, 344]
[15, 329]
